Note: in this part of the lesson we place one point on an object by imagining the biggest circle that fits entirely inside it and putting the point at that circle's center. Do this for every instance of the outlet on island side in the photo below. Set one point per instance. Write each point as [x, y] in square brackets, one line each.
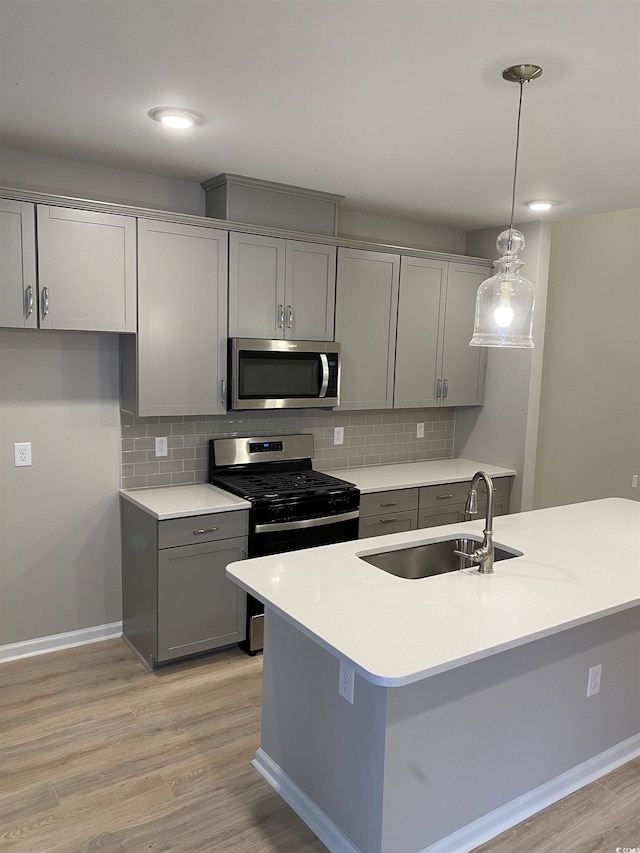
[346, 682]
[593, 683]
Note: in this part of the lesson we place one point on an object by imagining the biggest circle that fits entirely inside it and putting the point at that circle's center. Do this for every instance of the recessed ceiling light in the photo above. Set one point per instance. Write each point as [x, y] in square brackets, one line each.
[540, 205]
[174, 117]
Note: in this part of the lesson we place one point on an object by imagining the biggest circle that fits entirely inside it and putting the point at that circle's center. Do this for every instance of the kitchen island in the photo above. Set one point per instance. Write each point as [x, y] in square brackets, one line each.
[470, 708]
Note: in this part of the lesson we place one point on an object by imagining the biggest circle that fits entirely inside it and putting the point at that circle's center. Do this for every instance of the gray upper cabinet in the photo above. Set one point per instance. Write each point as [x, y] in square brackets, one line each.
[421, 311]
[463, 367]
[281, 288]
[435, 366]
[86, 270]
[366, 315]
[18, 291]
[176, 365]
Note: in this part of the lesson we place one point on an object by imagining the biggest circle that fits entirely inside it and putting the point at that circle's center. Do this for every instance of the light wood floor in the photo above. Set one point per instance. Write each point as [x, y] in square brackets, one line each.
[98, 754]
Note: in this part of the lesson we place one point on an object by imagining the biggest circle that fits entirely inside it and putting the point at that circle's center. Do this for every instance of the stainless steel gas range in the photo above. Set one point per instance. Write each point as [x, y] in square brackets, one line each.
[292, 506]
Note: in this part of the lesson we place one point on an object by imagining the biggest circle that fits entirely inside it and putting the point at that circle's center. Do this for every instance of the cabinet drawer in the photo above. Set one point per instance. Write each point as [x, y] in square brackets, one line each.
[380, 525]
[444, 494]
[398, 500]
[202, 528]
[434, 516]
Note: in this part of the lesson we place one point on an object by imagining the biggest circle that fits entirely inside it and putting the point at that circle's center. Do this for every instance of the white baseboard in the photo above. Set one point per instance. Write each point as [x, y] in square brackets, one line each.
[56, 642]
[479, 831]
[303, 806]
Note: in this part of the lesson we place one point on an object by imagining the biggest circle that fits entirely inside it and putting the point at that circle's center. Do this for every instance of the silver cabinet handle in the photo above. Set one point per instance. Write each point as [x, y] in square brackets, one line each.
[445, 388]
[223, 393]
[45, 301]
[386, 520]
[29, 301]
[281, 316]
[390, 503]
[443, 497]
[206, 530]
[438, 389]
[289, 317]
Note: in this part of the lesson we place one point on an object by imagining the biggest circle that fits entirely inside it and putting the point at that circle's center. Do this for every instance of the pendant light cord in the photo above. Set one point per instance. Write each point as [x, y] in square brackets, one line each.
[515, 168]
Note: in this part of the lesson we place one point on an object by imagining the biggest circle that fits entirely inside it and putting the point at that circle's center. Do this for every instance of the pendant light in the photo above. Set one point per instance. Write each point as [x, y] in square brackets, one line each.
[504, 304]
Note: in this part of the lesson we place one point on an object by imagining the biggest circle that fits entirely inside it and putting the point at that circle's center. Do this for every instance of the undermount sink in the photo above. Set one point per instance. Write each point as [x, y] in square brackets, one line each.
[432, 558]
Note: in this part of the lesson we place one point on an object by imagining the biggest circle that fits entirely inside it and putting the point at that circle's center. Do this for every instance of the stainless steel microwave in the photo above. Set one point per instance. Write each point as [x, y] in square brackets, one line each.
[283, 374]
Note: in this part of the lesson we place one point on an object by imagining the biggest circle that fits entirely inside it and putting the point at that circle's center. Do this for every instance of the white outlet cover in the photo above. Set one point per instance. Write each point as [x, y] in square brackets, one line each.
[22, 454]
[162, 448]
[338, 435]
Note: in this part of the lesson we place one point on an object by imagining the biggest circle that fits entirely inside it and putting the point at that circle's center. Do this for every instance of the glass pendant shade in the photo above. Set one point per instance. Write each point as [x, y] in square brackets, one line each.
[504, 303]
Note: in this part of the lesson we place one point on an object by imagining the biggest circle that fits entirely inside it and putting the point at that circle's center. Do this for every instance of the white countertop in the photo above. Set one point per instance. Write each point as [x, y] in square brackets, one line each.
[408, 475]
[581, 562]
[179, 501]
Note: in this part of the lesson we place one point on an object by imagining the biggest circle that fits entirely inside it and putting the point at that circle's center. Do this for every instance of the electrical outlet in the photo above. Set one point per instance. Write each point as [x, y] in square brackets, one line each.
[22, 454]
[634, 481]
[346, 682]
[162, 446]
[419, 430]
[593, 684]
[338, 435]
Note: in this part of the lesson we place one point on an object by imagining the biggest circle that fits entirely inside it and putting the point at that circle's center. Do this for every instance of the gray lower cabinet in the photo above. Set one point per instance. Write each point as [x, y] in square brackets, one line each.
[388, 512]
[176, 598]
[177, 363]
[400, 510]
[280, 288]
[444, 504]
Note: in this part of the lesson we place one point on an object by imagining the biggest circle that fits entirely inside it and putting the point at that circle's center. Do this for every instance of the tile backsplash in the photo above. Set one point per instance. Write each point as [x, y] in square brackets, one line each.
[370, 438]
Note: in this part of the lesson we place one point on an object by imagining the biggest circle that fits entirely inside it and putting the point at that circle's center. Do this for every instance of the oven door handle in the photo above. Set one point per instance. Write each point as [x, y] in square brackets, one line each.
[325, 374]
[307, 522]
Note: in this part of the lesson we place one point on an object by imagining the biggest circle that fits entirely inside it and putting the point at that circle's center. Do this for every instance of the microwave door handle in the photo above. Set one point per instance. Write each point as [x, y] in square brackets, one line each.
[325, 374]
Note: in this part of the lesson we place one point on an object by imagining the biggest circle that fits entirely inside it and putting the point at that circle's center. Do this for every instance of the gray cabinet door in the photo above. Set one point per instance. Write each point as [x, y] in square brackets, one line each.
[18, 293]
[256, 286]
[182, 330]
[463, 367]
[366, 316]
[199, 608]
[421, 314]
[310, 290]
[86, 270]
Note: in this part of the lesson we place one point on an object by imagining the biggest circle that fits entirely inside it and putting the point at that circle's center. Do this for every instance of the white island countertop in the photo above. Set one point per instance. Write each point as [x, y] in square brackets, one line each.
[409, 475]
[580, 562]
[166, 502]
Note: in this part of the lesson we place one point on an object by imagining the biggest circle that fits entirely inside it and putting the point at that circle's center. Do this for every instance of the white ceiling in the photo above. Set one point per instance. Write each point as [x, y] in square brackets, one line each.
[399, 105]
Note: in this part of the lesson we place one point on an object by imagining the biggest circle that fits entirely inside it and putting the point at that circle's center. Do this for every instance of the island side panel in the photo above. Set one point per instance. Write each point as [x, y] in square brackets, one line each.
[469, 740]
[332, 750]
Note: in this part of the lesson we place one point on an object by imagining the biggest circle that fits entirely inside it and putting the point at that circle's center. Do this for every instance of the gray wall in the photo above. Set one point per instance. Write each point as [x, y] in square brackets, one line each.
[59, 519]
[503, 431]
[357, 225]
[589, 428]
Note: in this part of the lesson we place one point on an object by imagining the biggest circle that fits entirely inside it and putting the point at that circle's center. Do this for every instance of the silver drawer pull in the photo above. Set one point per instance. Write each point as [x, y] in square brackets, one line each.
[281, 316]
[443, 497]
[29, 301]
[207, 530]
[391, 503]
[45, 301]
[386, 520]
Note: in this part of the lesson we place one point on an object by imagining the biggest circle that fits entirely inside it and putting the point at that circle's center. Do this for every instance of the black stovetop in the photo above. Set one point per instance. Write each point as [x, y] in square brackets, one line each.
[280, 484]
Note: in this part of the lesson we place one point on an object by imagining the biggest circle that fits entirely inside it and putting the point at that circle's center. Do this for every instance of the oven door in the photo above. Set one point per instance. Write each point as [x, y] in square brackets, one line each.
[283, 374]
[276, 538]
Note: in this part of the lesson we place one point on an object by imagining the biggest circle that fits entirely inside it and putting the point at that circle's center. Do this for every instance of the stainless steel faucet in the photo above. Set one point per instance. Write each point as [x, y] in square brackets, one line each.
[483, 555]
